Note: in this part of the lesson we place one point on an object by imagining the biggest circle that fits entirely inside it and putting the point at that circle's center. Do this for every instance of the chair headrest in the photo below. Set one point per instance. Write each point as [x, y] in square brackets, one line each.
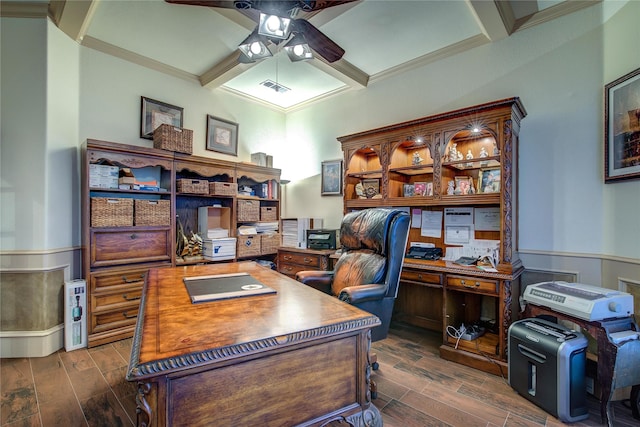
[366, 229]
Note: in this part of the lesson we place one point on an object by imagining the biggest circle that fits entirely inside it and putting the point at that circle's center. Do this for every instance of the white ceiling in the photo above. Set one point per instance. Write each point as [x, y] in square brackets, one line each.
[380, 37]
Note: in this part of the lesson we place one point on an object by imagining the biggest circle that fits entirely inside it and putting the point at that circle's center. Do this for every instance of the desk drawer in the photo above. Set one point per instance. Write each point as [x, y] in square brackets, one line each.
[421, 276]
[473, 284]
[300, 259]
[292, 269]
[127, 298]
[111, 281]
[113, 247]
[108, 320]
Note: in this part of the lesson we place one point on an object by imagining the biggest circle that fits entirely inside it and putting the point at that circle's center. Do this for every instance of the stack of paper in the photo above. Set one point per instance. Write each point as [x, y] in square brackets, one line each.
[294, 232]
[266, 227]
[217, 233]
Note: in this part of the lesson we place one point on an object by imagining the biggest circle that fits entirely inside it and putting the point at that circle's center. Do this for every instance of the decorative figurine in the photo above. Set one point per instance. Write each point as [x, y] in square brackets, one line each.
[360, 191]
[483, 152]
[469, 157]
[416, 158]
[453, 152]
[450, 187]
[496, 152]
[460, 156]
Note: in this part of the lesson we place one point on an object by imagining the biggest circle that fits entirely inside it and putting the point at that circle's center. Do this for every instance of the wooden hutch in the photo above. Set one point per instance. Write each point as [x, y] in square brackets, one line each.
[476, 149]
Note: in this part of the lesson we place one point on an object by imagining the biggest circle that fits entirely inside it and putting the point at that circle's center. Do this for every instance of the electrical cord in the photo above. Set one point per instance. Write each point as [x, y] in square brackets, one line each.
[456, 333]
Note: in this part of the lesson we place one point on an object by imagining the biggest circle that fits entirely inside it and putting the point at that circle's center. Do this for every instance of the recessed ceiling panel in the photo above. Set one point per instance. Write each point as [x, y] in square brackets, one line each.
[378, 35]
[303, 80]
[190, 38]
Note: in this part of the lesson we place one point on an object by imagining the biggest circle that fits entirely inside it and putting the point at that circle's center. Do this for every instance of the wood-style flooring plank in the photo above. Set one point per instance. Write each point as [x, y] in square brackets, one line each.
[104, 410]
[402, 415]
[442, 411]
[51, 379]
[18, 400]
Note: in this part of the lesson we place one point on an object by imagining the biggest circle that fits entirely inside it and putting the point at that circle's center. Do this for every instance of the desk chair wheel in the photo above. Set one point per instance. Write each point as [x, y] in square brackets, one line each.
[635, 401]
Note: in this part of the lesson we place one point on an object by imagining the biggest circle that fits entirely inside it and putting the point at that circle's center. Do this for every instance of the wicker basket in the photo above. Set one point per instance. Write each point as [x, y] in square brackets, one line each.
[223, 188]
[269, 213]
[269, 243]
[111, 212]
[193, 186]
[172, 138]
[249, 246]
[248, 210]
[152, 212]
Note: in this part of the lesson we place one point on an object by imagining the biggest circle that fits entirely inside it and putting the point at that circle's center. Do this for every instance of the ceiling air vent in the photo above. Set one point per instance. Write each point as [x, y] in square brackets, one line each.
[275, 86]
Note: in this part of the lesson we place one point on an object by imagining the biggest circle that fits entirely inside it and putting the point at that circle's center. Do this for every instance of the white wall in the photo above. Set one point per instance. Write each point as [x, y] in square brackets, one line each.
[557, 70]
[23, 127]
[110, 91]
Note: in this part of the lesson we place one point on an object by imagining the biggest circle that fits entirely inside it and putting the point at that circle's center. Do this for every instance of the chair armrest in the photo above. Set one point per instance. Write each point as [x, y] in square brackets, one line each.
[320, 279]
[363, 293]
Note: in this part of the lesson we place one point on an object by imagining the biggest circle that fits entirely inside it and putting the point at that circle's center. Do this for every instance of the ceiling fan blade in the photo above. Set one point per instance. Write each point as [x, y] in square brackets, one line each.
[227, 4]
[318, 41]
[312, 5]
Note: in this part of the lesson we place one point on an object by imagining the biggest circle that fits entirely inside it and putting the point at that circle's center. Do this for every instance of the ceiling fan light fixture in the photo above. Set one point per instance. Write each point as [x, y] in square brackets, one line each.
[274, 26]
[255, 47]
[298, 49]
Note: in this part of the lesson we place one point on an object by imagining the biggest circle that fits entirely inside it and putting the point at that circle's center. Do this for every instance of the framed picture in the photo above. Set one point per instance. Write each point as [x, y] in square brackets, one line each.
[464, 185]
[331, 178]
[622, 128]
[409, 190]
[222, 135]
[489, 180]
[371, 187]
[419, 188]
[155, 113]
[429, 189]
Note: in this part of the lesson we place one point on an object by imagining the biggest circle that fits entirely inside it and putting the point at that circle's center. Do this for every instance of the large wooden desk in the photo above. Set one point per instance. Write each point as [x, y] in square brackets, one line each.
[297, 357]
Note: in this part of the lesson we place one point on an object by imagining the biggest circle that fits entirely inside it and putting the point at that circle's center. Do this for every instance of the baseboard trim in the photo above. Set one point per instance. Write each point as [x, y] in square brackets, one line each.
[31, 343]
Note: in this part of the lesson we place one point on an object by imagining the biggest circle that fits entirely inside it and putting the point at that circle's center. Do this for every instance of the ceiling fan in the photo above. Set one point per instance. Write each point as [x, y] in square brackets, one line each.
[262, 10]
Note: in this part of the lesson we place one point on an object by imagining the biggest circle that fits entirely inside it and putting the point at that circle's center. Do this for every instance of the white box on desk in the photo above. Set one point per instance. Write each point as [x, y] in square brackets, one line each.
[219, 249]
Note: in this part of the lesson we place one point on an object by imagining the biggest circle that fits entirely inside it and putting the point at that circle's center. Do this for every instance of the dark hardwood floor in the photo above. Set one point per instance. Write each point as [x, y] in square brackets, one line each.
[415, 389]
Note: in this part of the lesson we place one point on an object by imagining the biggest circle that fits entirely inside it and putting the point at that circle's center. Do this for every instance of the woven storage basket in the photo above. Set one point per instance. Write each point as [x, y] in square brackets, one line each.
[172, 138]
[269, 243]
[152, 212]
[248, 210]
[249, 246]
[193, 186]
[223, 188]
[269, 213]
[111, 212]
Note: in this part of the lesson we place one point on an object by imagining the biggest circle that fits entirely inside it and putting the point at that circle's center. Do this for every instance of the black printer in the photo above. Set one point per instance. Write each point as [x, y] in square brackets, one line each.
[322, 239]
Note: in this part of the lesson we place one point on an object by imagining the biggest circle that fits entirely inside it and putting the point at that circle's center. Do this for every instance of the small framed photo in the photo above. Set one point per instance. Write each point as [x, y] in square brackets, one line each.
[419, 188]
[371, 187]
[409, 190]
[331, 178]
[464, 185]
[222, 135]
[429, 189]
[489, 180]
[155, 113]
[622, 128]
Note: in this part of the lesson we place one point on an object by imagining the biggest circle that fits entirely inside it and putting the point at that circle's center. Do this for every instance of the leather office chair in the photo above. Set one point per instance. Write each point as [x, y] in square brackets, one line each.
[367, 273]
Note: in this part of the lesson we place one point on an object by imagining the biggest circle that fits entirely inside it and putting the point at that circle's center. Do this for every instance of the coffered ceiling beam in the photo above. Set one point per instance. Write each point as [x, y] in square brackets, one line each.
[488, 15]
[73, 16]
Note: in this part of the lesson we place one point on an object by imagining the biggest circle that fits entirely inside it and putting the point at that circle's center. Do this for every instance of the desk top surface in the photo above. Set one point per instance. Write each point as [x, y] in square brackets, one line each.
[174, 334]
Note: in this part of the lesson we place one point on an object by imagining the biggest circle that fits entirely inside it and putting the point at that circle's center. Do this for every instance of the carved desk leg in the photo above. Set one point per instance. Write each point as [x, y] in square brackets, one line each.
[143, 410]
